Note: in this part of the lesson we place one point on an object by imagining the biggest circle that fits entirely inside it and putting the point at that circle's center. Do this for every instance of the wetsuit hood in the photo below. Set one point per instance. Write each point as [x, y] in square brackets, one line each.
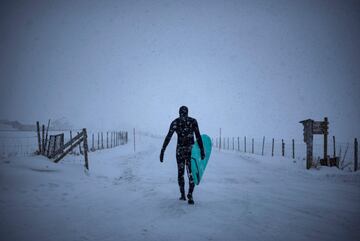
[183, 111]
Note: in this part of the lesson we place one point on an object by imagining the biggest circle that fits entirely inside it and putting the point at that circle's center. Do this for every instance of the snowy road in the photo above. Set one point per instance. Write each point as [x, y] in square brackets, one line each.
[128, 196]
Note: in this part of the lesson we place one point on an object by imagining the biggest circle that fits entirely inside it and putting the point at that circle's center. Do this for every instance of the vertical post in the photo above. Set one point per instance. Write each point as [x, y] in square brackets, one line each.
[228, 144]
[46, 136]
[85, 144]
[98, 141]
[238, 139]
[293, 148]
[71, 152]
[102, 141]
[325, 128]
[92, 143]
[38, 135]
[272, 147]
[282, 147]
[334, 148]
[107, 139]
[355, 155]
[252, 145]
[43, 140]
[134, 142]
[233, 139]
[80, 147]
[245, 144]
[220, 140]
[263, 145]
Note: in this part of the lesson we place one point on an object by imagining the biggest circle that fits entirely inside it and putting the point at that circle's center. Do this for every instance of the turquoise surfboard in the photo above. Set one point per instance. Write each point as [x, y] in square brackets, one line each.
[197, 165]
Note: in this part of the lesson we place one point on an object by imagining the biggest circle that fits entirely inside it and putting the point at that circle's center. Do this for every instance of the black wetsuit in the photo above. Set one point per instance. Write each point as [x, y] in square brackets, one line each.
[185, 127]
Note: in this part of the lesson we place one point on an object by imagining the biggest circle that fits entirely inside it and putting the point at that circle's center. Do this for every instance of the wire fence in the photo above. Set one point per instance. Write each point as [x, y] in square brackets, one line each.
[289, 148]
[25, 143]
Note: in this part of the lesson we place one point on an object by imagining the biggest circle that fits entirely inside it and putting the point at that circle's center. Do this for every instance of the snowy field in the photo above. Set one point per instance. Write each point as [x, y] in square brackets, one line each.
[132, 196]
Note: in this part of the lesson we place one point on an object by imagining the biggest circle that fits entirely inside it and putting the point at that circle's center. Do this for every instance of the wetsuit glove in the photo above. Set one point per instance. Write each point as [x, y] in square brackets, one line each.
[202, 154]
[162, 155]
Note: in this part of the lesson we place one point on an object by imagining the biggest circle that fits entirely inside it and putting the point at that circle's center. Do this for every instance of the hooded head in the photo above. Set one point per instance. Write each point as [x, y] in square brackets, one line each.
[183, 111]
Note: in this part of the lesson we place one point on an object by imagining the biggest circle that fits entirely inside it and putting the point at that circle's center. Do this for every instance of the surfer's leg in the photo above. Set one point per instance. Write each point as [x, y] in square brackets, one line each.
[191, 179]
[181, 167]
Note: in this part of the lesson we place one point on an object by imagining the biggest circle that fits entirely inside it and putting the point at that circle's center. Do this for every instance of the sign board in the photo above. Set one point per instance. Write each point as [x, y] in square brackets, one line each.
[318, 127]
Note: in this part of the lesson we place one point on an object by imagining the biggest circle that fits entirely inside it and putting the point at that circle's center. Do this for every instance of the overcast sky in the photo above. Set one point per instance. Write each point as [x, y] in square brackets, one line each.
[251, 67]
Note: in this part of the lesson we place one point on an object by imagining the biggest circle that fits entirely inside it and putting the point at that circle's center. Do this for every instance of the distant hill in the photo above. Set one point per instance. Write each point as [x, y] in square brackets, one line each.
[58, 124]
[16, 125]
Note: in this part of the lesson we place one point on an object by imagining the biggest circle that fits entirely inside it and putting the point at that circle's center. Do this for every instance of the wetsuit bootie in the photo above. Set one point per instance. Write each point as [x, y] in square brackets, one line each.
[190, 199]
[182, 197]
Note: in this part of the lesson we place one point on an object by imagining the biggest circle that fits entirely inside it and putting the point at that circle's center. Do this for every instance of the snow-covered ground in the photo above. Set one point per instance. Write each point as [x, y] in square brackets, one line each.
[132, 196]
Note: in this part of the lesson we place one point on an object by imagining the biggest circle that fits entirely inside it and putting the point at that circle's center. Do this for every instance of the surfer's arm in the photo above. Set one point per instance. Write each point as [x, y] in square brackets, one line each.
[169, 135]
[199, 140]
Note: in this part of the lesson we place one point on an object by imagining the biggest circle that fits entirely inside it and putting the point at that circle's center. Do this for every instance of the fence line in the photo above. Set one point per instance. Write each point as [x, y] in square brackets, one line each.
[291, 148]
[25, 143]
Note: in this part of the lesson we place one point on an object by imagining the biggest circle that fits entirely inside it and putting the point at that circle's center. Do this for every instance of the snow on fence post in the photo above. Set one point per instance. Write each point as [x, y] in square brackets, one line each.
[293, 149]
[282, 147]
[245, 144]
[272, 147]
[38, 135]
[263, 144]
[355, 155]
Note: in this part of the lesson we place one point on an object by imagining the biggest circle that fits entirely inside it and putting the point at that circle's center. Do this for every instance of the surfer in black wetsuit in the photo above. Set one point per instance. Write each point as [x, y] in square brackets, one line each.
[185, 127]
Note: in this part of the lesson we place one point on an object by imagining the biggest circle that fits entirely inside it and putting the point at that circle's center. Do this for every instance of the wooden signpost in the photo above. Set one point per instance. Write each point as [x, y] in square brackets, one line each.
[312, 127]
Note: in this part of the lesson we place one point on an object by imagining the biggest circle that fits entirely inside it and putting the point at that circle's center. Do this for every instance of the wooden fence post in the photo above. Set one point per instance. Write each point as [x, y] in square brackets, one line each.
[228, 146]
[282, 147]
[107, 139]
[238, 139]
[220, 140]
[233, 139]
[334, 147]
[263, 145]
[80, 147]
[102, 141]
[272, 147]
[98, 141]
[245, 144]
[38, 135]
[85, 144]
[355, 155]
[293, 148]
[43, 140]
[46, 136]
[92, 142]
[71, 152]
[252, 145]
[134, 142]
